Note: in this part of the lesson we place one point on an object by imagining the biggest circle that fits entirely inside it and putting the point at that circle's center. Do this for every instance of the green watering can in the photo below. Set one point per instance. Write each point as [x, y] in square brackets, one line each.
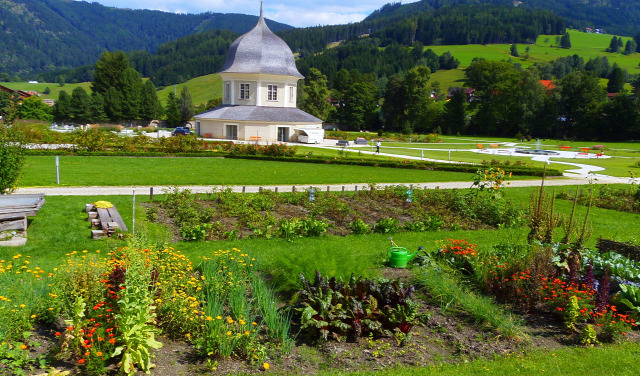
[398, 256]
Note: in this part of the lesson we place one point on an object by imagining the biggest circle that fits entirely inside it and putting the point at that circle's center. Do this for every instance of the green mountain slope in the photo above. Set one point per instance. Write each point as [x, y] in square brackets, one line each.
[620, 17]
[37, 36]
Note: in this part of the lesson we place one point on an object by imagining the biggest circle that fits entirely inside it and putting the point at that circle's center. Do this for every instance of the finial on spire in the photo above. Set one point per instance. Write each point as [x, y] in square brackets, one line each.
[261, 17]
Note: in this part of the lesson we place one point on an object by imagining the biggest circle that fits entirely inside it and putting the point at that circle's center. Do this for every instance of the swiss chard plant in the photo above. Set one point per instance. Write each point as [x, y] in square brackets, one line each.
[330, 307]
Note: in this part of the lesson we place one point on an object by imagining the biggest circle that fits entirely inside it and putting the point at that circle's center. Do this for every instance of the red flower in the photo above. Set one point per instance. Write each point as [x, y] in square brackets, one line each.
[81, 361]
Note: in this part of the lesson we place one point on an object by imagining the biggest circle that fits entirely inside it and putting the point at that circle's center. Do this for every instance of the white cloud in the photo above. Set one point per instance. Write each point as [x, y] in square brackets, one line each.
[295, 13]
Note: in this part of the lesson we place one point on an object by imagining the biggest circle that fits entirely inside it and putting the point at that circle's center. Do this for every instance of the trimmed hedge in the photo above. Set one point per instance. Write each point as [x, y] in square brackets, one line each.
[409, 164]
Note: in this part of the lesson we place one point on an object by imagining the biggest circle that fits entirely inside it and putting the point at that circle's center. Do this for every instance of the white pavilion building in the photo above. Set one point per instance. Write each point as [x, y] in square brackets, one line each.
[259, 80]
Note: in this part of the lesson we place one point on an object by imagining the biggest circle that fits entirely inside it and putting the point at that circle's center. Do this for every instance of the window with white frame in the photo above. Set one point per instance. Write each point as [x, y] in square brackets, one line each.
[227, 90]
[272, 92]
[292, 94]
[244, 91]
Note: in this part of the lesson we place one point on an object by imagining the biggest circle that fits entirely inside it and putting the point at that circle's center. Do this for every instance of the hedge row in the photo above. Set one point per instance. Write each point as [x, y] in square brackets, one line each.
[409, 164]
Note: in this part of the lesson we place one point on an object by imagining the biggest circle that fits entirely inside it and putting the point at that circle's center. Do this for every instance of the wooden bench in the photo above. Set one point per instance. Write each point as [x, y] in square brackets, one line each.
[108, 221]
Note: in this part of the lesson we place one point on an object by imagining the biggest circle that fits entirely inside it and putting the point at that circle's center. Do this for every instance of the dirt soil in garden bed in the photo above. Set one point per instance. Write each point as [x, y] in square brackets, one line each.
[443, 336]
[338, 211]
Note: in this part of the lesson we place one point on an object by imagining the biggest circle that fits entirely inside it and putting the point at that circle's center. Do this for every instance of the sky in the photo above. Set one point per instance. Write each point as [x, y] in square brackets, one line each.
[292, 12]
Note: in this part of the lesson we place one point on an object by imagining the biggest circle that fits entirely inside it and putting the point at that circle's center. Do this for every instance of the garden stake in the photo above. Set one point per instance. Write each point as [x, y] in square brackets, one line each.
[343, 190]
[151, 193]
[276, 190]
[293, 189]
[243, 188]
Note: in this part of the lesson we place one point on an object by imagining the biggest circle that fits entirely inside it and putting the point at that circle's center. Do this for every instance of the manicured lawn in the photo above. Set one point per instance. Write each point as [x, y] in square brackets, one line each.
[114, 171]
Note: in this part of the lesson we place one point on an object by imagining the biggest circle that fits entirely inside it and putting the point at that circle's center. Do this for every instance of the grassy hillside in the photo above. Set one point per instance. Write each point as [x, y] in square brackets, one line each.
[584, 44]
[40, 88]
[201, 88]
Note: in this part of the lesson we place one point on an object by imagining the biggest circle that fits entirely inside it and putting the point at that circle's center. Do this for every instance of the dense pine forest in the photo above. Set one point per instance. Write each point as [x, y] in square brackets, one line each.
[41, 35]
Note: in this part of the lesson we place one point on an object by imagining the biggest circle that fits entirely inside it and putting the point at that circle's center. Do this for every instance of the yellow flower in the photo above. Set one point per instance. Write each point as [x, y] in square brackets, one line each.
[22, 305]
[229, 333]
[265, 366]
[23, 347]
[229, 320]
[33, 316]
[188, 335]
[219, 317]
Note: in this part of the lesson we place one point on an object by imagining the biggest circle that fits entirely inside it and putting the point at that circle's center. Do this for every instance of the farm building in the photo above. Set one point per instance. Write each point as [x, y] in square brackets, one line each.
[260, 81]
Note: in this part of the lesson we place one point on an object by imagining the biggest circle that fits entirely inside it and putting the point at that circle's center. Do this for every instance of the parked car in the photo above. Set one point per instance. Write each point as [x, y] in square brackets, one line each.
[181, 131]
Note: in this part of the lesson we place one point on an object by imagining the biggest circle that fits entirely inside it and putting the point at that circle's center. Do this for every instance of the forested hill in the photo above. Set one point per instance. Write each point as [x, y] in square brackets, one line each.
[459, 24]
[38, 35]
[621, 17]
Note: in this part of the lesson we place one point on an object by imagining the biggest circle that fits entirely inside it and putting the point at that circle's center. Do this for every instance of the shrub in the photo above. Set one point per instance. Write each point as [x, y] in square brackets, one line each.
[359, 227]
[11, 162]
[387, 225]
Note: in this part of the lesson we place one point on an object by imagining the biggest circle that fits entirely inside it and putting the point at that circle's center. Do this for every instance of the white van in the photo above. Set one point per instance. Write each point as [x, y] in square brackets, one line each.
[310, 136]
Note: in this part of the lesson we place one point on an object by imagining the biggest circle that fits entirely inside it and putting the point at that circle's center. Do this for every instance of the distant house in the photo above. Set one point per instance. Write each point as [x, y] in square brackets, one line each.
[548, 85]
[259, 82]
[454, 90]
[21, 93]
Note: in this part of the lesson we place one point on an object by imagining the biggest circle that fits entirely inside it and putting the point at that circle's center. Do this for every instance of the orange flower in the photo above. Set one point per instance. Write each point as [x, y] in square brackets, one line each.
[81, 361]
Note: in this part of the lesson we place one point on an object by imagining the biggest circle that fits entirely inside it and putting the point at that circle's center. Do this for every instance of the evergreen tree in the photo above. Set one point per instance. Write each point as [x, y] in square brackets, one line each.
[62, 107]
[360, 101]
[613, 45]
[565, 41]
[108, 72]
[617, 79]
[96, 110]
[80, 105]
[150, 106]
[46, 91]
[316, 95]
[630, 47]
[514, 50]
[113, 104]
[637, 40]
[172, 110]
[580, 97]
[394, 105]
[453, 120]
[129, 86]
[186, 105]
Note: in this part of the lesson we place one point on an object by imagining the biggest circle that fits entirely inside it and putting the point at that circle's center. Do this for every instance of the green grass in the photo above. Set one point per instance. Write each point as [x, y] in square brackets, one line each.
[449, 292]
[40, 87]
[114, 171]
[583, 44]
[202, 89]
[611, 360]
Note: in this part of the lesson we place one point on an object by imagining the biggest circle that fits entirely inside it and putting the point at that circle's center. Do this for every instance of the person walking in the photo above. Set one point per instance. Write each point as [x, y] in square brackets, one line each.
[378, 147]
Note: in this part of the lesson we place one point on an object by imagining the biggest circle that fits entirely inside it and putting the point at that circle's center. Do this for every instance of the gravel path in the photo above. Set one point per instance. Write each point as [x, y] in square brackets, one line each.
[102, 191]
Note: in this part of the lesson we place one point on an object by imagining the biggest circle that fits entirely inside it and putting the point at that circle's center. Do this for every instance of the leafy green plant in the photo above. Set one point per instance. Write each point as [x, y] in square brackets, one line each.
[136, 318]
[387, 225]
[289, 229]
[359, 227]
[629, 296]
[619, 265]
[195, 232]
[329, 307]
[589, 336]
[313, 227]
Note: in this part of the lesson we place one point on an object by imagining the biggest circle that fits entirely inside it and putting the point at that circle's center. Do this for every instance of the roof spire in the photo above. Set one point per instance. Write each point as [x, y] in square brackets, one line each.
[261, 16]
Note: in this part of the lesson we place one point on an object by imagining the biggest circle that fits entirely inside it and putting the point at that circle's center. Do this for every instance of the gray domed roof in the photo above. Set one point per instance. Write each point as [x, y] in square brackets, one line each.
[260, 51]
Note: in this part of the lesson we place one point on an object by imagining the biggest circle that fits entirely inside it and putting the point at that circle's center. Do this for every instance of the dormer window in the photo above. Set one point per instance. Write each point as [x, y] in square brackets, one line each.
[245, 89]
[272, 92]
